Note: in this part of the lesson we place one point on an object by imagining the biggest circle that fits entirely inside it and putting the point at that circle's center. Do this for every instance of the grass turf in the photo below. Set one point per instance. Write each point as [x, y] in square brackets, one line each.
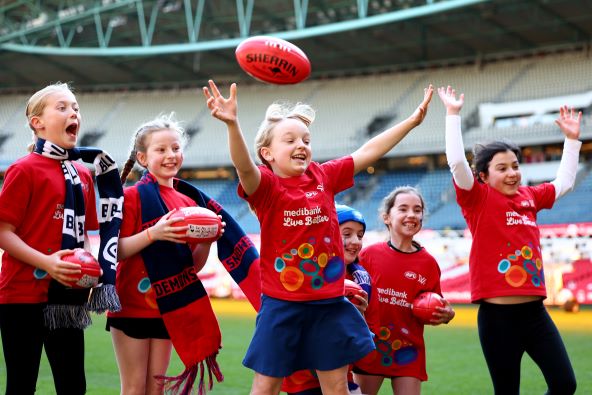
[455, 363]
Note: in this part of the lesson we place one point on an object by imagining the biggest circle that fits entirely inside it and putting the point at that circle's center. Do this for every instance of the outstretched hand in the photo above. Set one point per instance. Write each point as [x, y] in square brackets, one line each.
[224, 109]
[421, 111]
[451, 102]
[569, 122]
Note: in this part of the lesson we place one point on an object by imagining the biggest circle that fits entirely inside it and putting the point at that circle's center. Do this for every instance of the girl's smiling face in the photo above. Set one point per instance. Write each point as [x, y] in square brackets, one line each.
[405, 217]
[163, 156]
[503, 173]
[352, 233]
[289, 153]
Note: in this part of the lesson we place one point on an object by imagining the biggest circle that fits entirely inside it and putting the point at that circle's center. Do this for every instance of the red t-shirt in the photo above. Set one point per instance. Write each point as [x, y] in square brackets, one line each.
[133, 285]
[301, 247]
[505, 256]
[397, 278]
[32, 200]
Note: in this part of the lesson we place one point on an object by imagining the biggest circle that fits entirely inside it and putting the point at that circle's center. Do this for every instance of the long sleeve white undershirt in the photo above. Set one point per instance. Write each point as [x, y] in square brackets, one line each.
[455, 154]
[463, 176]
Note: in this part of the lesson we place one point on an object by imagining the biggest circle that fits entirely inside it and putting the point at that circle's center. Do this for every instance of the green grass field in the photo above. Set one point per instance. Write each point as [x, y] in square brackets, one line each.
[455, 362]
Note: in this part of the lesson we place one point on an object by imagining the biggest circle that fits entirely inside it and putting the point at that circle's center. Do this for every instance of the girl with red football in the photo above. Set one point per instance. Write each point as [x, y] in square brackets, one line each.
[507, 279]
[304, 321]
[164, 304]
[47, 206]
[400, 269]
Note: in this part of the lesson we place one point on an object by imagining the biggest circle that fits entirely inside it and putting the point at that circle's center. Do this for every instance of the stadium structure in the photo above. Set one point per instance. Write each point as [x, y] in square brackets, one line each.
[516, 61]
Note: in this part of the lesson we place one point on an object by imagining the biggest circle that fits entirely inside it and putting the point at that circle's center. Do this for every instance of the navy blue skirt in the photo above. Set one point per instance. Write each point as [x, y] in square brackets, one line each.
[319, 335]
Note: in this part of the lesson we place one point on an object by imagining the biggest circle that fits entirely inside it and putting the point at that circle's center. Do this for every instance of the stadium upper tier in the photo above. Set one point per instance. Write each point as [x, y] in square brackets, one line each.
[347, 109]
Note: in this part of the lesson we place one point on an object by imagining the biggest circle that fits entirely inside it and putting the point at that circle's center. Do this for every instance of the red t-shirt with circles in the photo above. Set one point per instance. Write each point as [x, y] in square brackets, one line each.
[505, 258]
[301, 246]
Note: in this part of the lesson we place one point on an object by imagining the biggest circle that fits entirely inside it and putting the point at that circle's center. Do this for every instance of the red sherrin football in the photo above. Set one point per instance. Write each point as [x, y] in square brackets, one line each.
[352, 288]
[425, 304]
[90, 268]
[273, 60]
[204, 225]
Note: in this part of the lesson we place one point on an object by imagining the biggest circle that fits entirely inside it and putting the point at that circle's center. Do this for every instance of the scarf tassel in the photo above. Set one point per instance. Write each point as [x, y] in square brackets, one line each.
[104, 298]
[66, 316]
[183, 384]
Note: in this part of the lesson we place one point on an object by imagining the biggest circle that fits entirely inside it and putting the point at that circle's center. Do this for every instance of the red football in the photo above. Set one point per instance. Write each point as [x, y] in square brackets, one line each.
[89, 266]
[425, 304]
[352, 288]
[273, 60]
[204, 225]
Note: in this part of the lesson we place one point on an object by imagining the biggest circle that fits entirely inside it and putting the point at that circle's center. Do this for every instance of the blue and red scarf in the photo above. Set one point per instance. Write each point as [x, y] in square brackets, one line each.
[68, 307]
[181, 298]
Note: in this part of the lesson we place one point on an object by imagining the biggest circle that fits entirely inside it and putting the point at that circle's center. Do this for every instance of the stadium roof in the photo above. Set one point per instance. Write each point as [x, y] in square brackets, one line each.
[165, 43]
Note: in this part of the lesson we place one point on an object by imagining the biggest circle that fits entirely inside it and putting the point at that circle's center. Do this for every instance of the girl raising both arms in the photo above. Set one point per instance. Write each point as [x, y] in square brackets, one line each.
[506, 267]
[304, 321]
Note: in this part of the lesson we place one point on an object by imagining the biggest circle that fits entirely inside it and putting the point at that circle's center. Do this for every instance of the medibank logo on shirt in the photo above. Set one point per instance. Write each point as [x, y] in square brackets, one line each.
[391, 296]
[513, 218]
[304, 217]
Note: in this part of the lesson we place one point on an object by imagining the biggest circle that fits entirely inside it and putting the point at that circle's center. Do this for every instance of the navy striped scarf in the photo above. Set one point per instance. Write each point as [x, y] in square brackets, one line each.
[68, 307]
[181, 298]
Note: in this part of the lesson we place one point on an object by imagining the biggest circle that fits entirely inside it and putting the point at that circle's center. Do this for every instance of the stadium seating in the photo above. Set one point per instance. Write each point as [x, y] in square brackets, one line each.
[347, 109]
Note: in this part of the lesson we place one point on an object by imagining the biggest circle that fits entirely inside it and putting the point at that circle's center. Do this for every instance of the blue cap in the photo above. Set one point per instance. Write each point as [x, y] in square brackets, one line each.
[346, 213]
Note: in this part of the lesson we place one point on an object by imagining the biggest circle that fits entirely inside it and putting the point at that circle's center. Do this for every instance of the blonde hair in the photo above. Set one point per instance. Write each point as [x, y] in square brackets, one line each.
[138, 140]
[37, 102]
[276, 113]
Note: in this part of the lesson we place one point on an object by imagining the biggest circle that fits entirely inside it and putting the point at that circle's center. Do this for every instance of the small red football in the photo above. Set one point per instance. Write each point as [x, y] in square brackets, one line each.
[273, 60]
[424, 305]
[352, 288]
[204, 225]
[89, 266]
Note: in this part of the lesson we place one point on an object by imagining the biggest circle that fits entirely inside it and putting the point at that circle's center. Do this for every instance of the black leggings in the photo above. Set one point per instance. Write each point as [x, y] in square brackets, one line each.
[508, 331]
[23, 338]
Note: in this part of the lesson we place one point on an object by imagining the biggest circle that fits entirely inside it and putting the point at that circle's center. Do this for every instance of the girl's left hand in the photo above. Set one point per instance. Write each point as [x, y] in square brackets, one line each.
[444, 314]
[569, 122]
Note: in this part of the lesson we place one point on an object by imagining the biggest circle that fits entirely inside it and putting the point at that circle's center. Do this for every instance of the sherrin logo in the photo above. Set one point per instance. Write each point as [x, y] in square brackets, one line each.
[410, 275]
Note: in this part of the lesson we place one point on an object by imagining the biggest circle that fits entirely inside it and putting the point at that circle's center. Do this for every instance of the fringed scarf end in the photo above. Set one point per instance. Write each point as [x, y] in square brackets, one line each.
[104, 298]
[183, 384]
[66, 316]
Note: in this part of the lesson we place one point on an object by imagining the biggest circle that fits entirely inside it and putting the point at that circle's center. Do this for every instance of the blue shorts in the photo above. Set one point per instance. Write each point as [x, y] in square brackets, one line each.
[319, 335]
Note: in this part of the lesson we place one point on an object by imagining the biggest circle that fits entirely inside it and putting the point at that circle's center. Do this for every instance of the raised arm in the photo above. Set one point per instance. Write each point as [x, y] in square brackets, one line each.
[225, 109]
[455, 150]
[379, 145]
[569, 122]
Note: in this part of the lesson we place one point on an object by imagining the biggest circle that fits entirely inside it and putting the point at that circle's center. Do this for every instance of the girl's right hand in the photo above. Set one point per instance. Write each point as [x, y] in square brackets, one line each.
[448, 96]
[221, 108]
[61, 270]
[163, 229]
